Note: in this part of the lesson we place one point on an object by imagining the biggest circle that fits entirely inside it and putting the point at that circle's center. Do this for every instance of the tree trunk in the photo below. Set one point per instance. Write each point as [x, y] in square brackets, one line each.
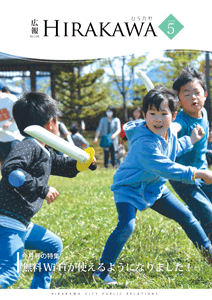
[123, 91]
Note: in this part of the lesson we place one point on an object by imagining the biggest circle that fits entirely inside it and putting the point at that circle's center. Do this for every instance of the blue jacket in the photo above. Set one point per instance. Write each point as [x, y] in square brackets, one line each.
[148, 165]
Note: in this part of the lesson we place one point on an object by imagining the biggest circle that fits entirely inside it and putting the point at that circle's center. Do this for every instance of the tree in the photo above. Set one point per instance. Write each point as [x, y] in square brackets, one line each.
[207, 75]
[176, 60]
[78, 92]
[124, 83]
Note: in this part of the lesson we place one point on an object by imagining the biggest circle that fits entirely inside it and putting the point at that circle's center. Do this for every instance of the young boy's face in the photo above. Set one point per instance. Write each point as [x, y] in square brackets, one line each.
[192, 98]
[159, 121]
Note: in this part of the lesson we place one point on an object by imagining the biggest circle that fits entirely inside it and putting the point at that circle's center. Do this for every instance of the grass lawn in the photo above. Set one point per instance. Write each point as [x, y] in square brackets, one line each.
[157, 256]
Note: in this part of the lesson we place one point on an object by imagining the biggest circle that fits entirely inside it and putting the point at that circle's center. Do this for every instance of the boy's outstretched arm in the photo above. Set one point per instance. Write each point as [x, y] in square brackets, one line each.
[151, 159]
[66, 166]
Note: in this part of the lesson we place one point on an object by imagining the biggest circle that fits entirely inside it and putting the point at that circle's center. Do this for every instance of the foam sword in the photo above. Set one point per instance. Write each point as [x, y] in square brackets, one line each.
[147, 82]
[84, 157]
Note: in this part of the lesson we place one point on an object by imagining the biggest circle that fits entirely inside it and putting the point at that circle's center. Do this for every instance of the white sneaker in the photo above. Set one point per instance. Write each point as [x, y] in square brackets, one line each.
[107, 280]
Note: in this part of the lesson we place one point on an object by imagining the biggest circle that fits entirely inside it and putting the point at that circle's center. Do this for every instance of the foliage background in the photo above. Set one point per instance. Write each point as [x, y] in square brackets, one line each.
[86, 93]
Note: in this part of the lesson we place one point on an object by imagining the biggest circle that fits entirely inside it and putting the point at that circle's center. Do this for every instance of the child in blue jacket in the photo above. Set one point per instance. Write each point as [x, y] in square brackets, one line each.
[139, 183]
[192, 92]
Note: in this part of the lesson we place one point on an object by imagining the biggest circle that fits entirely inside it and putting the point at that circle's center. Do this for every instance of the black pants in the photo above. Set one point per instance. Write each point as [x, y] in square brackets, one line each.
[106, 156]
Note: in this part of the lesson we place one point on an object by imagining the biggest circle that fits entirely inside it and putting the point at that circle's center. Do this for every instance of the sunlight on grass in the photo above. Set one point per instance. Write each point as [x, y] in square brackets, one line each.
[157, 256]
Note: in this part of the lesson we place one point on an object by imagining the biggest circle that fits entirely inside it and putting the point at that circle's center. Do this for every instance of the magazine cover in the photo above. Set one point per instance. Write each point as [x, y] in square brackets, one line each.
[105, 149]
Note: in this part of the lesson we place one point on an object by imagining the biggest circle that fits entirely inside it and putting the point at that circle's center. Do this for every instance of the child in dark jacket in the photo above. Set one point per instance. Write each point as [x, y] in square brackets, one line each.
[18, 204]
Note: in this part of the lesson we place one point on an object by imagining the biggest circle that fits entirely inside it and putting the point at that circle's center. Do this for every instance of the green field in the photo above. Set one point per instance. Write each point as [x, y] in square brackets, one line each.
[157, 256]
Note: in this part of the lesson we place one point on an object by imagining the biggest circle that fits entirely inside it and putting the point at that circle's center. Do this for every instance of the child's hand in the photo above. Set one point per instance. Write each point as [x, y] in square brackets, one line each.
[205, 175]
[95, 140]
[197, 134]
[93, 165]
[52, 195]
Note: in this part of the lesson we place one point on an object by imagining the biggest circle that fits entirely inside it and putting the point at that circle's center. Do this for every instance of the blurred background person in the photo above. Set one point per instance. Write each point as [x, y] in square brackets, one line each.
[137, 114]
[63, 133]
[78, 138]
[109, 128]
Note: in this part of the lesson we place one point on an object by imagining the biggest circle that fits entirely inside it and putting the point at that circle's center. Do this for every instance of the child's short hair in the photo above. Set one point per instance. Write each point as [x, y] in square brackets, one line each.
[189, 74]
[74, 129]
[156, 96]
[35, 108]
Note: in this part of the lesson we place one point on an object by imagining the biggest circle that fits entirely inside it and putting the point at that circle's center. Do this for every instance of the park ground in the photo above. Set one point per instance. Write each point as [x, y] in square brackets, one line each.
[157, 256]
